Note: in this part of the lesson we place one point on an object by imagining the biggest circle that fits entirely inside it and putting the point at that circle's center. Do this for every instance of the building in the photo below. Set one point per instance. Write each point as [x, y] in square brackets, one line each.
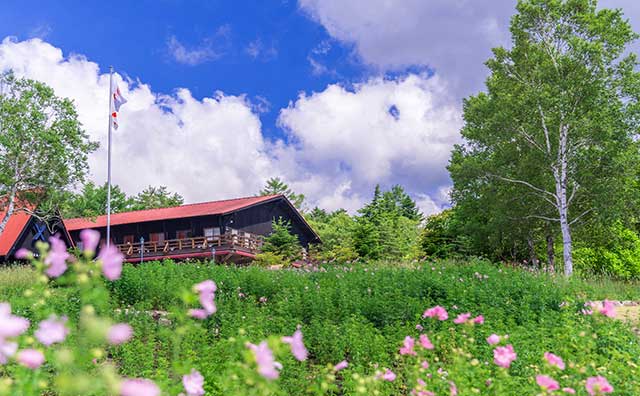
[24, 229]
[232, 230]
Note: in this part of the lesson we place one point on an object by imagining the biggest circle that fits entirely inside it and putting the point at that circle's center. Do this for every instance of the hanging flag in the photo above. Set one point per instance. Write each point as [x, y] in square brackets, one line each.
[117, 100]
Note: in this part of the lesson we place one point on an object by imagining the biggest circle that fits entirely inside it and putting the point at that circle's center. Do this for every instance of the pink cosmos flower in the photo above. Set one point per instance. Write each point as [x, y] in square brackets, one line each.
[462, 318]
[608, 309]
[11, 325]
[547, 383]
[504, 355]
[493, 339]
[7, 349]
[341, 366]
[30, 358]
[297, 346]
[598, 386]
[424, 365]
[453, 389]
[554, 360]
[478, 319]
[207, 290]
[90, 239]
[569, 390]
[436, 311]
[23, 253]
[139, 387]
[52, 330]
[56, 260]
[111, 259]
[425, 342]
[407, 347]
[419, 327]
[198, 313]
[388, 376]
[119, 334]
[267, 366]
[193, 383]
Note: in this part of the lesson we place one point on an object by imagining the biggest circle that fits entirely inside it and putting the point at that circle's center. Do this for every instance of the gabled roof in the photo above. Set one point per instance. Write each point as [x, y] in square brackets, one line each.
[176, 212]
[13, 229]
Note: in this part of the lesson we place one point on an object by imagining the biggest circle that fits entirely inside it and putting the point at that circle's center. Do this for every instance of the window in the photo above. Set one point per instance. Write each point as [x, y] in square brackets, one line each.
[156, 237]
[211, 233]
[183, 234]
[127, 239]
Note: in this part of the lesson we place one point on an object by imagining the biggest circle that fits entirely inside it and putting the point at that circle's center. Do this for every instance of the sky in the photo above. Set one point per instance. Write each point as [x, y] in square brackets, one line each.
[333, 96]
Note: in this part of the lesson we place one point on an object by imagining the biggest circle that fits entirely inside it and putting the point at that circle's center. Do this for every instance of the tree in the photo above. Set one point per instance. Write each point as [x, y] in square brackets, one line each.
[43, 148]
[558, 120]
[156, 197]
[275, 186]
[336, 232]
[282, 242]
[92, 201]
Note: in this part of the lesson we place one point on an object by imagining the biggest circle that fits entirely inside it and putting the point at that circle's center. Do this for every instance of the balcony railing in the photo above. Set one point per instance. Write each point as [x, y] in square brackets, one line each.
[248, 243]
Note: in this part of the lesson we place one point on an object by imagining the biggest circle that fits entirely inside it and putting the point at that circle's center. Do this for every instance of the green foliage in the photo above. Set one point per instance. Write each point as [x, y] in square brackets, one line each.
[336, 232]
[43, 148]
[268, 259]
[281, 242]
[156, 197]
[618, 257]
[275, 186]
[441, 236]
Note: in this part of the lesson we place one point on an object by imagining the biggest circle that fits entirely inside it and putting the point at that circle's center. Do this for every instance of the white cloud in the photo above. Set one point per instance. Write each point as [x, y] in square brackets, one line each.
[346, 141]
[257, 50]
[204, 149]
[192, 56]
[340, 142]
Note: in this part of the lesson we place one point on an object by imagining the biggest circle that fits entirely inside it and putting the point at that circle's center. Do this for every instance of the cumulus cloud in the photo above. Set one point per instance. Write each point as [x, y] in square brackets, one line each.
[381, 131]
[453, 37]
[339, 142]
[211, 48]
[205, 149]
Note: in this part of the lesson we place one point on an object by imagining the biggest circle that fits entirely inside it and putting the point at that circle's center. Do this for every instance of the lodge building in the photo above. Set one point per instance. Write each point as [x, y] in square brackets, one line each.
[231, 230]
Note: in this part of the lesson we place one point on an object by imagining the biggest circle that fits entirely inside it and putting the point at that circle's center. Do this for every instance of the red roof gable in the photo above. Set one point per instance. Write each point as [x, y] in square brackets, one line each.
[13, 229]
[177, 212]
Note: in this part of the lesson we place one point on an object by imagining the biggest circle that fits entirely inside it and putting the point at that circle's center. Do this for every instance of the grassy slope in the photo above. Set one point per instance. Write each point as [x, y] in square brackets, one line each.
[362, 314]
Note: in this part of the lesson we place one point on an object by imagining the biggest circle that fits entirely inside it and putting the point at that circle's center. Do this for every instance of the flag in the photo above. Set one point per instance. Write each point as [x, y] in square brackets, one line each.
[117, 100]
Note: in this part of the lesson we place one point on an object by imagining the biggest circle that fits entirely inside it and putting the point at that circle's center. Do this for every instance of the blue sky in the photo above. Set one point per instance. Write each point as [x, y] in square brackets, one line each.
[334, 96]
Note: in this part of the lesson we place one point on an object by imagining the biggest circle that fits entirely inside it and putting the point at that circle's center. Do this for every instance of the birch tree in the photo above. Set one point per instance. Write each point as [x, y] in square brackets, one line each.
[43, 149]
[558, 120]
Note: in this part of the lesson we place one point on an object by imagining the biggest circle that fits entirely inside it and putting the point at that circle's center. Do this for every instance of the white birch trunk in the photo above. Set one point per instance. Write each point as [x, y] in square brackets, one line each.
[10, 210]
[563, 204]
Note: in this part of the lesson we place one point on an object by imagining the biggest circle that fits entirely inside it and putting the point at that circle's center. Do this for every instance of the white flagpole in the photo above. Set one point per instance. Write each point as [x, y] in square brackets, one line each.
[109, 158]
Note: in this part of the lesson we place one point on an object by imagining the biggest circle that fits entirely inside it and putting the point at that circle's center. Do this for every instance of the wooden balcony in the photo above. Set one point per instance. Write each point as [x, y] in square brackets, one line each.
[229, 247]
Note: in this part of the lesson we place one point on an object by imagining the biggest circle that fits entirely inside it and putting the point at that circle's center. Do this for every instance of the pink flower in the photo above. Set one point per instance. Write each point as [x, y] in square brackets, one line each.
[425, 342]
[111, 262]
[436, 311]
[193, 383]
[56, 260]
[424, 364]
[7, 349]
[340, 366]
[598, 386]
[297, 346]
[407, 347]
[52, 330]
[90, 239]
[262, 300]
[207, 290]
[504, 355]
[462, 318]
[493, 339]
[11, 325]
[419, 327]
[119, 334]
[554, 360]
[139, 387]
[30, 358]
[453, 389]
[267, 366]
[388, 376]
[569, 390]
[23, 253]
[198, 313]
[478, 319]
[608, 309]
[547, 383]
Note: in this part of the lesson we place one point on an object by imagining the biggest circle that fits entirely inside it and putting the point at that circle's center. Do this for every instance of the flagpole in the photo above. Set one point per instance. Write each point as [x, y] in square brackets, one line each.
[109, 158]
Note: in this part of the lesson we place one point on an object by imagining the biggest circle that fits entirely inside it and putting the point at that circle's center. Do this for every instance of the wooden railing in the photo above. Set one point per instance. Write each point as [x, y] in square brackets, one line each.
[249, 243]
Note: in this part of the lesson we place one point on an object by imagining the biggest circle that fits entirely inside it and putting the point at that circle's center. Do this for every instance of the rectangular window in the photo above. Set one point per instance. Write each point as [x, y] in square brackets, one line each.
[212, 232]
[183, 234]
[127, 239]
[156, 237]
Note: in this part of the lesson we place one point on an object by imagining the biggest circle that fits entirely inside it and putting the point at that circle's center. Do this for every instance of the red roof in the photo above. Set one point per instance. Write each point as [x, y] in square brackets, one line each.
[177, 212]
[13, 229]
